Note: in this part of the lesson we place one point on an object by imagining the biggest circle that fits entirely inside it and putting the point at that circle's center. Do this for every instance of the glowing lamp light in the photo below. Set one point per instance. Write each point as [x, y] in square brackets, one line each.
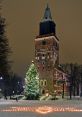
[44, 110]
[1, 78]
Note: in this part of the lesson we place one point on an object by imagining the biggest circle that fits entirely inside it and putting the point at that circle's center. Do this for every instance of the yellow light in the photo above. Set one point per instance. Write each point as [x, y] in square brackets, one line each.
[44, 110]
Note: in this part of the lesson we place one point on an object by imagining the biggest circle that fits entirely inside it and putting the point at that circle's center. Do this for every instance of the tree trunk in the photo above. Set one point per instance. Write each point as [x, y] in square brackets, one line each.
[70, 92]
[77, 89]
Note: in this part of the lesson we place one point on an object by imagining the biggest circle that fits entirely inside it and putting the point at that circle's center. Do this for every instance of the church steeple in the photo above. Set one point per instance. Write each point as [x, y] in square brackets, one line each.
[47, 25]
[47, 14]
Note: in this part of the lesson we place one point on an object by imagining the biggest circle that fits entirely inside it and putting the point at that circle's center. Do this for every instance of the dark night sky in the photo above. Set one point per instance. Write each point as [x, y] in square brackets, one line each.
[23, 17]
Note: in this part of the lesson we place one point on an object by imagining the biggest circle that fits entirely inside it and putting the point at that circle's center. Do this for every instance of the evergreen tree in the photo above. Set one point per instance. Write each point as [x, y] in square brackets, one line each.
[4, 53]
[32, 83]
[74, 71]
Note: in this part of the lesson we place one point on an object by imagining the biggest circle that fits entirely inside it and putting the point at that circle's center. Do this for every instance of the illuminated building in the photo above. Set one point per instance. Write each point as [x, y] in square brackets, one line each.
[47, 57]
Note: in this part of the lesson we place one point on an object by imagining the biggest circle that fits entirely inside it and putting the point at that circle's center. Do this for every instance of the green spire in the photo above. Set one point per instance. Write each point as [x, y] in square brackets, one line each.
[47, 14]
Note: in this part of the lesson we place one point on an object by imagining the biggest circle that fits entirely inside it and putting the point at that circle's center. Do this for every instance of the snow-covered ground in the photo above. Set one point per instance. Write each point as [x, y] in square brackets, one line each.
[5, 102]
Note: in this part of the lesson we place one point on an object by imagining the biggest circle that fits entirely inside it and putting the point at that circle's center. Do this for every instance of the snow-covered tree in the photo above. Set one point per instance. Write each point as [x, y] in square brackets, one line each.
[32, 83]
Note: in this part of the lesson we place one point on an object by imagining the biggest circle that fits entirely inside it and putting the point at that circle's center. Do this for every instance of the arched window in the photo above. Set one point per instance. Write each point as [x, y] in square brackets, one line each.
[45, 82]
[41, 82]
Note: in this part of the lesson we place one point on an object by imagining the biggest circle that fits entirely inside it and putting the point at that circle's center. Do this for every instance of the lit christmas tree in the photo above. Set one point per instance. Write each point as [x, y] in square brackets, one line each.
[32, 83]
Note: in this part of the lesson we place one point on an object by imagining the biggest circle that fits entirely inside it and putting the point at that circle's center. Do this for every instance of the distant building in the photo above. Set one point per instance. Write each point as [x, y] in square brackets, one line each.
[47, 57]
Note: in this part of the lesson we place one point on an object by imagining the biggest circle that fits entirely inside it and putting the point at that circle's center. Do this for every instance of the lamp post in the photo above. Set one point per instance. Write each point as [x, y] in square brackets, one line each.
[1, 85]
[18, 87]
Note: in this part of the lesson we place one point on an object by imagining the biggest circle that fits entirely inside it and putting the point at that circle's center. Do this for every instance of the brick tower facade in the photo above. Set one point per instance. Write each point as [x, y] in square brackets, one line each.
[47, 52]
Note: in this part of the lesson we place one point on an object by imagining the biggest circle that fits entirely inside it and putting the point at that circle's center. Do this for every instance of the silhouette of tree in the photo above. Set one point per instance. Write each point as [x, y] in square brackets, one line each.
[74, 70]
[4, 53]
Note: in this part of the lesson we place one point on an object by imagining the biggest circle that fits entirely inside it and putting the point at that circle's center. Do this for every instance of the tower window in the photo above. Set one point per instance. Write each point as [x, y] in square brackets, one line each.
[43, 57]
[43, 91]
[48, 57]
[41, 83]
[43, 62]
[45, 82]
[43, 42]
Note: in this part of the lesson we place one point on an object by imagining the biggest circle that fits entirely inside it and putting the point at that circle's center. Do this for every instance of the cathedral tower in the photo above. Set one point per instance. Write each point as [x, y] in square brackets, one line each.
[47, 52]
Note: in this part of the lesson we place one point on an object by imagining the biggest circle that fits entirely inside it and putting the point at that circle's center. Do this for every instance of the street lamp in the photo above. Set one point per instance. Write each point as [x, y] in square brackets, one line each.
[1, 78]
